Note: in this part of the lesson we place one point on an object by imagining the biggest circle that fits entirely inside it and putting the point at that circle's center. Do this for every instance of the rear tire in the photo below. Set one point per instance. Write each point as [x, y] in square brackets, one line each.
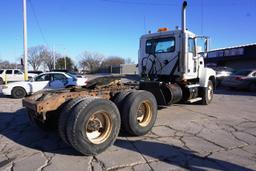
[119, 98]
[207, 94]
[93, 125]
[18, 92]
[139, 113]
[64, 115]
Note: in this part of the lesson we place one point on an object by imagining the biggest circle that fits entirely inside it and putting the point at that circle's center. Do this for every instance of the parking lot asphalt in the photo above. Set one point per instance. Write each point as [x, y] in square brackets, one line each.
[220, 136]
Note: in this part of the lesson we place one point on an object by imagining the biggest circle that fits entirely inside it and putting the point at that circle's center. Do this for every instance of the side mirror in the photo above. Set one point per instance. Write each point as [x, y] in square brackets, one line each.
[206, 45]
[202, 45]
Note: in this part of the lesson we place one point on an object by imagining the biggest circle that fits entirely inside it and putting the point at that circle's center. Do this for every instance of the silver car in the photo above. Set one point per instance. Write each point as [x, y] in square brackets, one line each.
[242, 79]
[222, 73]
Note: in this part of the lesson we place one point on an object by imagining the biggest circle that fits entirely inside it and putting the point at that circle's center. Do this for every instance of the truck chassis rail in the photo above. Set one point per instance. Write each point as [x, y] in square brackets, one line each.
[50, 100]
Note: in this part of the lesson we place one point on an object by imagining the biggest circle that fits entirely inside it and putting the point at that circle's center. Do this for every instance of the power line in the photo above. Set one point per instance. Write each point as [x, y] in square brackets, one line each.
[202, 16]
[138, 3]
[144, 23]
[37, 22]
[145, 3]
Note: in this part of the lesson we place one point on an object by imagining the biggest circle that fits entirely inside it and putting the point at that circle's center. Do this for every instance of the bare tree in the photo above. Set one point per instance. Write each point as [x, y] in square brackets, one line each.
[8, 65]
[91, 61]
[35, 56]
[129, 61]
[113, 61]
[48, 58]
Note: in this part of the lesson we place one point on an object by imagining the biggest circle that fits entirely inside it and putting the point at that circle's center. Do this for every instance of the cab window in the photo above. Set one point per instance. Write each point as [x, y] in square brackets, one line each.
[149, 47]
[163, 45]
[191, 46]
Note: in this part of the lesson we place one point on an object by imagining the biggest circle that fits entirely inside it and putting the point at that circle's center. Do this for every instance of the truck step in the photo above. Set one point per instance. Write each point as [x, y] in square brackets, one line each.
[193, 85]
[195, 100]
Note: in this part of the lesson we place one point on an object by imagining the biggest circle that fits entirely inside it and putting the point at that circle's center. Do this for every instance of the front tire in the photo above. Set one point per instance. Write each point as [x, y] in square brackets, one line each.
[93, 125]
[207, 94]
[18, 92]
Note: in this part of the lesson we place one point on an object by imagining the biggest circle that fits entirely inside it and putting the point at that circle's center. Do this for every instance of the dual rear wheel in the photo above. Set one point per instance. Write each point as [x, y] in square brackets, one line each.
[138, 110]
[91, 124]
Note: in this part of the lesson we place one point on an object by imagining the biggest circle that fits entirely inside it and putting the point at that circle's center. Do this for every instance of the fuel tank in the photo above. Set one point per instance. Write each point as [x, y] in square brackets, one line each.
[165, 93]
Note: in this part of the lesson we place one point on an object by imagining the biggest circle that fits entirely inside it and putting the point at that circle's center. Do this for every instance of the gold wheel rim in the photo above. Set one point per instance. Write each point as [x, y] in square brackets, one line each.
[98, 127]
[144, 113]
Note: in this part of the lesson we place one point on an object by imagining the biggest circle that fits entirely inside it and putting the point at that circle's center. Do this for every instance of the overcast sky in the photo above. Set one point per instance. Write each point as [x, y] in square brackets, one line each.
[113, 27]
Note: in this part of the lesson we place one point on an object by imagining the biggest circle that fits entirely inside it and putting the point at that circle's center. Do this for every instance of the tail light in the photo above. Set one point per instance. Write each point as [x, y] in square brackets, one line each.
[239, 78]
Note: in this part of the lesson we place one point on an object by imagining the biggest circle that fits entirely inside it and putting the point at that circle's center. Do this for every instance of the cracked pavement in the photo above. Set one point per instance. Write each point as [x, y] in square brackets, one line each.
[220, 136]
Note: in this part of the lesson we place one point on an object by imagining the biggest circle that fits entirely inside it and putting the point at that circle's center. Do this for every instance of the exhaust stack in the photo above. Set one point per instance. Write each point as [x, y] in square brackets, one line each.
[183, 59]
[183, 19]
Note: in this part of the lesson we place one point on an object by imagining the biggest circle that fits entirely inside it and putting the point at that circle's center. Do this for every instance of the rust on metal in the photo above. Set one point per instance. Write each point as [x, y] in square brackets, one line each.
[51, 100]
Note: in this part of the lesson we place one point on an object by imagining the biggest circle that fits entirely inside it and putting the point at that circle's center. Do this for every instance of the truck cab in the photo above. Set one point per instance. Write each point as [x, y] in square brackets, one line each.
[160, 57]
[174, 57]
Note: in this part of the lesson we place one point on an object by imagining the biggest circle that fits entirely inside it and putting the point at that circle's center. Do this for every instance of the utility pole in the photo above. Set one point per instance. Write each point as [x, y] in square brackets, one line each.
[25, 60]
[65, 59]
[54, 57]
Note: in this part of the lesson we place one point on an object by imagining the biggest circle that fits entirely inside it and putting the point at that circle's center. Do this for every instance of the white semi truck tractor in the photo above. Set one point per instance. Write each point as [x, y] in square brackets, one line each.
[172, 68]
[89, 118]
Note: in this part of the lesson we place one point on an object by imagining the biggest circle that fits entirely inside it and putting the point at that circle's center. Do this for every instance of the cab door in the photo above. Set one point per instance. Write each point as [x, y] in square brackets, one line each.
[192, 59]
[162, 55]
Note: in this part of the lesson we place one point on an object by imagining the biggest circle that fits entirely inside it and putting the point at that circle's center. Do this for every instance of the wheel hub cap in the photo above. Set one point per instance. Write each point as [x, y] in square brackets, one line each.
[144, 113]
[98, 127]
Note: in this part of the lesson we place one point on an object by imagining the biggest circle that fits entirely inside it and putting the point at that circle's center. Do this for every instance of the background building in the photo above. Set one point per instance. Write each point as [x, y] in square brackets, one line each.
[121, 69]
[237, 57]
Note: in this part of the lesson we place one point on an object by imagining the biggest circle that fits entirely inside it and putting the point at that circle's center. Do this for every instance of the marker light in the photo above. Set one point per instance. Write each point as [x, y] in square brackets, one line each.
[163, 29]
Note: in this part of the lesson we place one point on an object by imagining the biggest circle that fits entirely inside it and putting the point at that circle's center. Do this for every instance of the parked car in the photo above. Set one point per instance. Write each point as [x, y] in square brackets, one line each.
[221, 73]
[32, 74]
[242, 79]
[11, 75]
[69, 72]
[50, 80]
